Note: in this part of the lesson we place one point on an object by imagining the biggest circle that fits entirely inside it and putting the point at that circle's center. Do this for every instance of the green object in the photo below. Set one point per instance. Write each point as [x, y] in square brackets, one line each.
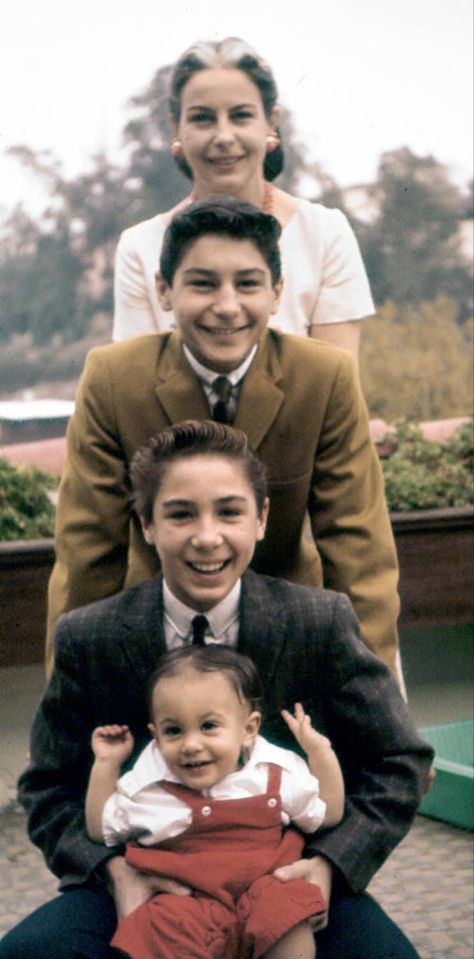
[26, 507]
[422, 474]
[451, 798]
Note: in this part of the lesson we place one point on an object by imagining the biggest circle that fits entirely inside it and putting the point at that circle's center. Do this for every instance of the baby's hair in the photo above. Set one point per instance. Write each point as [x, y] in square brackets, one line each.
[214, 658]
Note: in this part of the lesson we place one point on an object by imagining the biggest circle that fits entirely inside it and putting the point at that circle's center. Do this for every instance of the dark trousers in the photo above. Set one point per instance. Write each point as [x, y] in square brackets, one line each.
[80, 923]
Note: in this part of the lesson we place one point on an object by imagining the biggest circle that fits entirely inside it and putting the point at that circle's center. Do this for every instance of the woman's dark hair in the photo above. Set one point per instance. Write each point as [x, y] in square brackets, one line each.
[238, 668]
[222, 215]
[234, 53]
[181, 441]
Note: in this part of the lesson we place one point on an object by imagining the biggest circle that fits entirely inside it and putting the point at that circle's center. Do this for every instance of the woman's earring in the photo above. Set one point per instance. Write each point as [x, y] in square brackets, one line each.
[176, 148]
[273, 141]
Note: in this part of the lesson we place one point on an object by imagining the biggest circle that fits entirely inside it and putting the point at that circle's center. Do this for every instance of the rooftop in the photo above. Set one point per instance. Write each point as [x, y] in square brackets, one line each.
[22, 410]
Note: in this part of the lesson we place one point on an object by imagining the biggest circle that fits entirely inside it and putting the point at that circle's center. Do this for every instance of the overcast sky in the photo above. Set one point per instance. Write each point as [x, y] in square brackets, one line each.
[360, 76]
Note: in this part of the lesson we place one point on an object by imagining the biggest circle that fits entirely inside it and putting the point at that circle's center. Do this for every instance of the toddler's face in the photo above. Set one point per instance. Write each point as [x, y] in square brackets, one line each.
[201, 726]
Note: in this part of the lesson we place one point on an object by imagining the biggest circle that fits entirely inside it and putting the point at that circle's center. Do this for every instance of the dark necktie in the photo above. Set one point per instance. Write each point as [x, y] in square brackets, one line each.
[222, 387]
[199, 625]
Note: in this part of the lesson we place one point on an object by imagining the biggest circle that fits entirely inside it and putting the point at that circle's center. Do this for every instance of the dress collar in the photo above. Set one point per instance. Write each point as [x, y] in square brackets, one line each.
[220, 617]
[208, 376]
[151, 768]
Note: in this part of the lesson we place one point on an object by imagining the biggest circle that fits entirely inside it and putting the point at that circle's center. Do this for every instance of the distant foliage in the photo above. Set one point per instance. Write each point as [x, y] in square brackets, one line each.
[412, 247]
[420, 474]
[23, 365]
[56, 275]
[416, 362]
[26, 509]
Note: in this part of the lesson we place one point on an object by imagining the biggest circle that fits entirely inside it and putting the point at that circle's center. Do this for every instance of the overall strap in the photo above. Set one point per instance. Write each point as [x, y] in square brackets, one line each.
[191, 797]
[274, 779]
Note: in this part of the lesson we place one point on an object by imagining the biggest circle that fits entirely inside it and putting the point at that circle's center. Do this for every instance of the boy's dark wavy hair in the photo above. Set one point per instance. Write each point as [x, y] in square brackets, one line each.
[224, 216]
[181, 441]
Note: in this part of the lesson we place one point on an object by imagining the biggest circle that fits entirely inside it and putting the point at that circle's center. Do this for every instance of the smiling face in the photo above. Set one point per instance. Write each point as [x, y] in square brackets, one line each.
[222, 296]
[223, 129]
[205, 526]
[201, 726]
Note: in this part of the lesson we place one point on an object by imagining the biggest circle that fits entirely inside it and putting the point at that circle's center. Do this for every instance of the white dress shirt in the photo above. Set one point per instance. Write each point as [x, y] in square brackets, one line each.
[142, 810]
[207, 378]
[223, 619]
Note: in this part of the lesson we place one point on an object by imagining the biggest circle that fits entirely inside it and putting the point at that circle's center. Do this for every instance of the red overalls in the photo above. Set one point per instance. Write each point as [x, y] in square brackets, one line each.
[227, 856]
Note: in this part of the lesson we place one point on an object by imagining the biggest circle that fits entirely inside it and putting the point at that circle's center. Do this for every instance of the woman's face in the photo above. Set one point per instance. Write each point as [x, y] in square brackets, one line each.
[223, 130]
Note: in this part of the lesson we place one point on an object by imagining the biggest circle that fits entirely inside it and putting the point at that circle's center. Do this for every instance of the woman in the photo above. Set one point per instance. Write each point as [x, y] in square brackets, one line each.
[224, 121]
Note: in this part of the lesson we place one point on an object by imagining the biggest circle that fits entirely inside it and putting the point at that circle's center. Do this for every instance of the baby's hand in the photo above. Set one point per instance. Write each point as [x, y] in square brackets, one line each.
[300, 725]
[112, 742]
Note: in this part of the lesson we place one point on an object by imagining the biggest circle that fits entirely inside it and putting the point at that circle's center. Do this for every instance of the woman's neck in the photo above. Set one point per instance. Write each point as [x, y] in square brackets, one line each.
[260, 195]
[270, 199]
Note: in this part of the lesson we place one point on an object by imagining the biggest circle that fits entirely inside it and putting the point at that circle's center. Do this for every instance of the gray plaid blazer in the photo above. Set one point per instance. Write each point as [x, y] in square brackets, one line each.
[305, 643]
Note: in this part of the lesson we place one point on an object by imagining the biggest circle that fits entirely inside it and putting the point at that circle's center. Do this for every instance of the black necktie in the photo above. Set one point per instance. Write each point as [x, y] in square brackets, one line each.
[222, 387]
[199, 625]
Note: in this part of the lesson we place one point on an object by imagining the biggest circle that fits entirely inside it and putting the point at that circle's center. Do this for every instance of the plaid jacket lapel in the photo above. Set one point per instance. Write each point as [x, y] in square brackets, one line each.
[262, 628]
[141, 636]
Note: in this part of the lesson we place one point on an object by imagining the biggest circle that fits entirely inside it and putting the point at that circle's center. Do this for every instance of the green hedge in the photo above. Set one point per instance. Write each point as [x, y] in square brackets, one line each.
[26, 505]
[420, 474]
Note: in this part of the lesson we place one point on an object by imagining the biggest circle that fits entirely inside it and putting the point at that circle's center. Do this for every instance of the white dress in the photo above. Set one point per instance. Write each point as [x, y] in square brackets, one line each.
[324, 276]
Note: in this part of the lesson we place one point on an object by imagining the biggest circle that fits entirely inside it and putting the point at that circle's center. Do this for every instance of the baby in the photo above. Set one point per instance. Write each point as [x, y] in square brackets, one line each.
[211, 804]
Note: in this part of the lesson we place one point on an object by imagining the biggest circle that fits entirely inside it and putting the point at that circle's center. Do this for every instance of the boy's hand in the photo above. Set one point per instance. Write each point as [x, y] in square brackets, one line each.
[113, 743]
[300, 725]
[317, 870]
[131, 889]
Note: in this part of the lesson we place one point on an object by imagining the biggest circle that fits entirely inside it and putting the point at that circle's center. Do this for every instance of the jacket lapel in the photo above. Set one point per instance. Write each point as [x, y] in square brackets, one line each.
[262, 629]
[178, 388]
[260, 397]
[141, 634]
[182, 397]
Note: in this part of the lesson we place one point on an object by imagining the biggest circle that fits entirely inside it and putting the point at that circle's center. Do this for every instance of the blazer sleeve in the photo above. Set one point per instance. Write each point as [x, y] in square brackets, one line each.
[349, 516]
[52, 789]
[93, 516]
[384, 760]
